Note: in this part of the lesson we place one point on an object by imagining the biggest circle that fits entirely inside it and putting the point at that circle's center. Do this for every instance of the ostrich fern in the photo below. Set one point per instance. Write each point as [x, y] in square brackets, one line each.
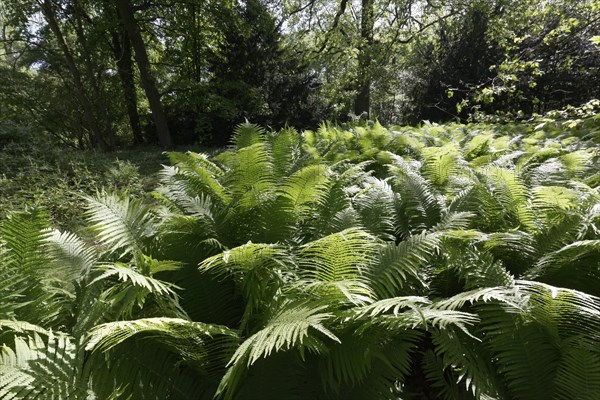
[442, 262]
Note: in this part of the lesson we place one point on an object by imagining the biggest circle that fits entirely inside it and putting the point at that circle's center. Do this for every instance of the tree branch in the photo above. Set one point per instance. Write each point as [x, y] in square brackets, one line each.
[311, 3]
[336, 21]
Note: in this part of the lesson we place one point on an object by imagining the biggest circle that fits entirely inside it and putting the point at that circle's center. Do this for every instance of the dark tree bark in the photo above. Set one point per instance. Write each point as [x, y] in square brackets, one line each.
[88, 111]
[362, 103]
[122, 51]
[141, 57]
[93, 77]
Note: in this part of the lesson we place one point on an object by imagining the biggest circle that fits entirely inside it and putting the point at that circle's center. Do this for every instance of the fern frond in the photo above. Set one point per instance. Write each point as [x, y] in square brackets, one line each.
[511, 242]
[125, 291]
[204, 347]
[259, 270]
[151, 266]
[305, 187]
[247, 168]
[39, 364]
[440, 164]
[193, 175]
[526, 355]
[463, 366]
[288, 328]
[335, 264]
[191, 161]
[26, 292]
[24, 235]
[550, 198]
[147, 368]
[71, 254]
[551, 173]
[579, 373]
[517, 250]
[253, 213]
[459, 221]
[394, 304]
[408, 313]
[126, 274]
[473, 267]
[425, 318]
[189, 238]
[22, 327]
[480, 200]
[287, 152]
[477, 146]
[508, 188]
[503, 295]
[247, 134]
[418, 207]
[439, 377]
[245, 258]
[535, 156]
[577, 162]
[291, 327]
[574, 265]
[402, 265]
[375, 205]
[122, 224]
[569, 312]
[215, 300]
[347, 362]
[530, 344]
[173, 330]
[335, 213]
[367, 365]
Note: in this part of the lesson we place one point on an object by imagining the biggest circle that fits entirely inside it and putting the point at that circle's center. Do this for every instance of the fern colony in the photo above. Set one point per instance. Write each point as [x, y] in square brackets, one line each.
[441, 262]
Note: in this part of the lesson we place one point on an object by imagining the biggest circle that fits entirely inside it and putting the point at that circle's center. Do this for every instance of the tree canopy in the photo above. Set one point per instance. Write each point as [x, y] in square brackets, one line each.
[105, 74]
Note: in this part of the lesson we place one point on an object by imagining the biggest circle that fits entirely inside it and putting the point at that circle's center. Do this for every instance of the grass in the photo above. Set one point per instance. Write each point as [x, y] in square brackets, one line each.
[36, 173]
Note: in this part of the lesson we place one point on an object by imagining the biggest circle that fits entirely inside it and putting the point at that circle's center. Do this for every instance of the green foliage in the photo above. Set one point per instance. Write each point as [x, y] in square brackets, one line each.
[508, 59]
[120, 224]
[281, 63]
[452, 262]
[34, 172]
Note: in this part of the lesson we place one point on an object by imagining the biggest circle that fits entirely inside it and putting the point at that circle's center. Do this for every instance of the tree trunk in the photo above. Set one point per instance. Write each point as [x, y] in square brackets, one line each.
[92, 77]
[88, 111]
[122, 50]
[141, 58]
[362, 103]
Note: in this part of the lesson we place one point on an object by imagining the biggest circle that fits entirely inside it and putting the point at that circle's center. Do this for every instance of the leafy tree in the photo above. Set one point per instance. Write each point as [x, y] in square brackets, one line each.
[358, 45]
[513, 60]
[233, 69]
[63, 54]
[121, 46]
[453, 60]
[205, 67]
[126, 14]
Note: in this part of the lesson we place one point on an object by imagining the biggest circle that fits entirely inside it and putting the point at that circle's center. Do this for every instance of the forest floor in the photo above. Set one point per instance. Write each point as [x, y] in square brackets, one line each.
[55, 178]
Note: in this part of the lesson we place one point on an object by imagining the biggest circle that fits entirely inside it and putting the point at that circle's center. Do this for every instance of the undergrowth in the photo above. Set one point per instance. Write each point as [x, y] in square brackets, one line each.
[36, 173]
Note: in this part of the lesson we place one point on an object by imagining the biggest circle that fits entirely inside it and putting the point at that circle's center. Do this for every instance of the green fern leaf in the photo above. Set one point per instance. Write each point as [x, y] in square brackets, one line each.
[332, 266]
[291, 327]
[123, 225]
[248, 134]
[402, 265]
